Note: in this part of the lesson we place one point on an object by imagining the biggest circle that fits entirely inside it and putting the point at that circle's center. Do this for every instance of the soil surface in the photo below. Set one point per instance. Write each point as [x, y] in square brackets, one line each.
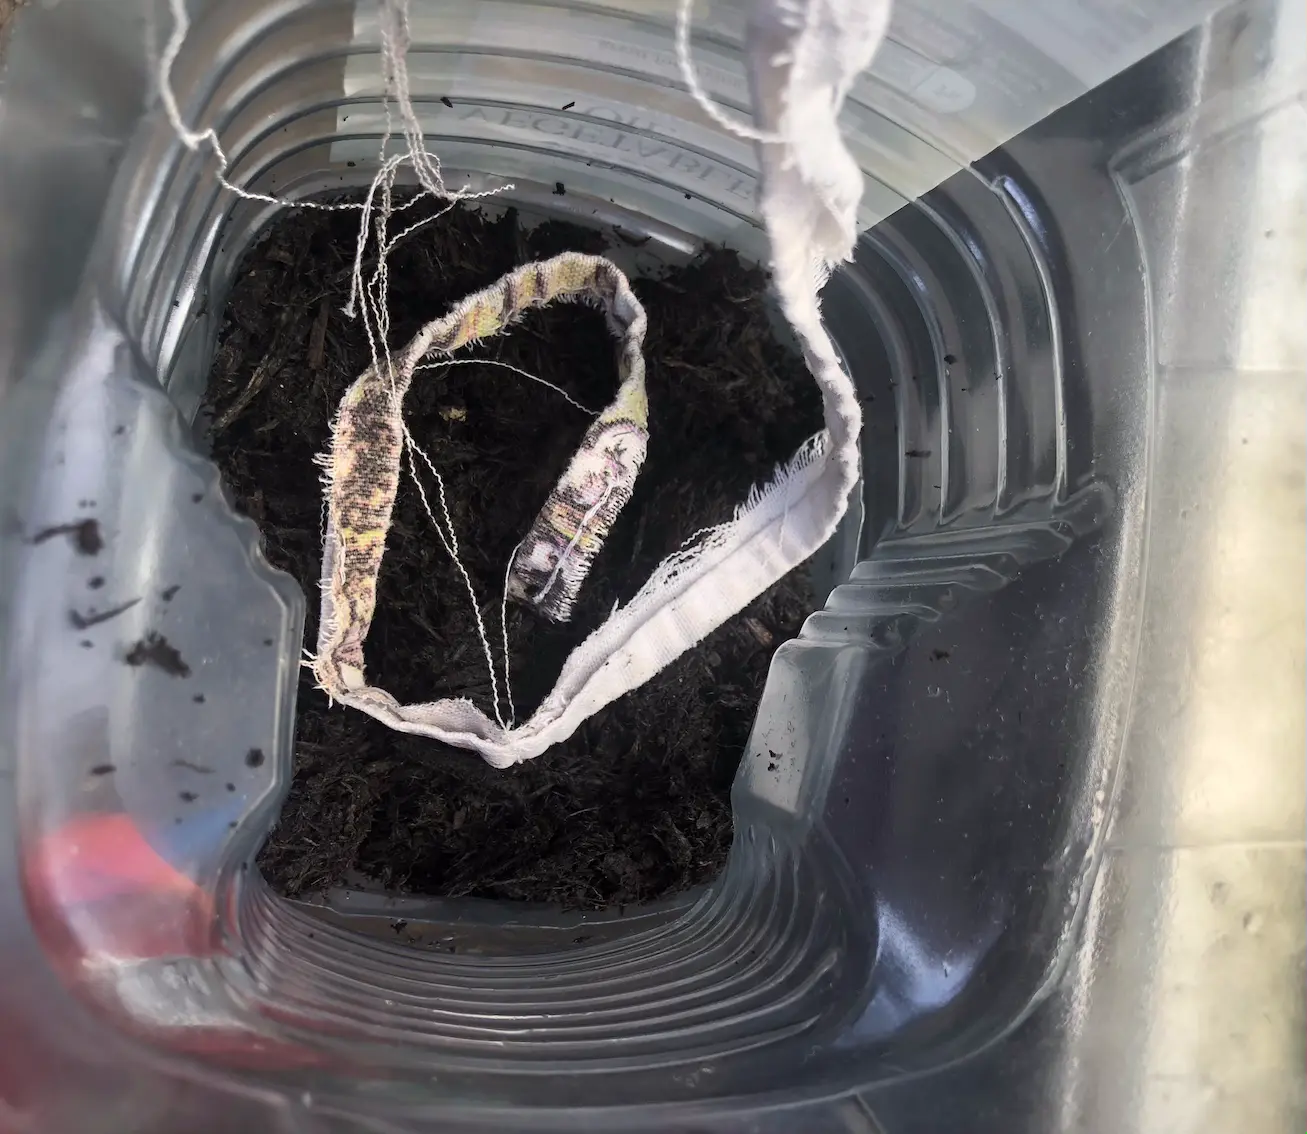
[635, 806]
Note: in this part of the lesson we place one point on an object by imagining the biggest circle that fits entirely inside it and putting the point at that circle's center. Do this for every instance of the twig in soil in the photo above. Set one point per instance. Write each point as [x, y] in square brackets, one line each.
[318, 336]
[271, 360]
[761, 634]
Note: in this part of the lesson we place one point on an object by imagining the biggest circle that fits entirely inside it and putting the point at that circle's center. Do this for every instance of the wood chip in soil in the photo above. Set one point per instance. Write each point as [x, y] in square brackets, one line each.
[635, 806]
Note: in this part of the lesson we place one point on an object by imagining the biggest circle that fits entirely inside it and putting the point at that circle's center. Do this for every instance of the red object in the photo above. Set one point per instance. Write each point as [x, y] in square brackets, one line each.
[97, 888]
[98, 891]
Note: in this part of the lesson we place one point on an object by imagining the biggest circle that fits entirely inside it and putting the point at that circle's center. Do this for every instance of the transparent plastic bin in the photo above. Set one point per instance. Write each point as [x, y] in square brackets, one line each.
[922, 809]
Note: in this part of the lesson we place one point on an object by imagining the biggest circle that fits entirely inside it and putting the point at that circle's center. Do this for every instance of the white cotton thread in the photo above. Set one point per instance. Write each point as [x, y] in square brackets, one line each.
[584, 526]
[386, 167]
[394, 54]
[508, 366]
[503, 626]
[451, 546]
[684, 12]
[394, 240]
[194, 139]
[376, 319]
[374, 294]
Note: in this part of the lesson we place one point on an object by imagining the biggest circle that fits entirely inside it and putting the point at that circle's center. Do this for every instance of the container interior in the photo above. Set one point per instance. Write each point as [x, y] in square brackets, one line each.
[918, 814]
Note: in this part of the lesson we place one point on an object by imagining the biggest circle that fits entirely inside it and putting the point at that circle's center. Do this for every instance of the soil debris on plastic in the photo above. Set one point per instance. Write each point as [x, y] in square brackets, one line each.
[155, 650]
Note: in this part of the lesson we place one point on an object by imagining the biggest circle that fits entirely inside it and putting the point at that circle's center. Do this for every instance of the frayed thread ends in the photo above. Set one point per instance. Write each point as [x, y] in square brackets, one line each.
[338, 675]
[330, 675]
[807, 454]
[550, 579]
[552, 562]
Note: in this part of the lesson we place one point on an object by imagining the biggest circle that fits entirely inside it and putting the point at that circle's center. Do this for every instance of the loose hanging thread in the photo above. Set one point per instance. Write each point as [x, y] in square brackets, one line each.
[371, 296]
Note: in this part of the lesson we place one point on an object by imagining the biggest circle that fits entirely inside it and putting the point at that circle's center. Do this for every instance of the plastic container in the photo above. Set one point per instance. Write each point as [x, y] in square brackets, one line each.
[921, 813]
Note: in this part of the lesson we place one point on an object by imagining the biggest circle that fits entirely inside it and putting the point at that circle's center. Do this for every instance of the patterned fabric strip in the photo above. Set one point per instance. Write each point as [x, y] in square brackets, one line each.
[367, 447]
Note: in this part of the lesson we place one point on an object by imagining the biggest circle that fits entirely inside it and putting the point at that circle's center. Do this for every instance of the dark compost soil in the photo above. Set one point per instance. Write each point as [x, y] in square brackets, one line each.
[633, 807]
